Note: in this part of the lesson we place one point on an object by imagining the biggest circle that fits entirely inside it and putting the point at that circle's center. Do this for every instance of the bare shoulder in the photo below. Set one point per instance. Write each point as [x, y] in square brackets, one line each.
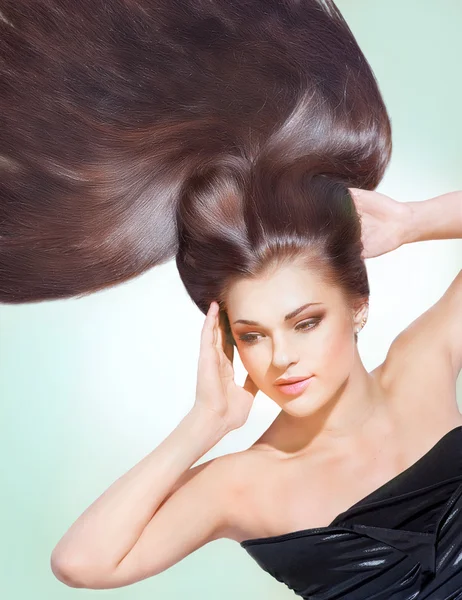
[224, 478]
[246, 472]
[227, 479]
[425, 359]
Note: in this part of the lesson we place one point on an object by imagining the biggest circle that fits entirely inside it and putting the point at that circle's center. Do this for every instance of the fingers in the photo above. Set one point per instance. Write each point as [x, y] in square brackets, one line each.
[356, 196]
[208, 335]
[213, 332]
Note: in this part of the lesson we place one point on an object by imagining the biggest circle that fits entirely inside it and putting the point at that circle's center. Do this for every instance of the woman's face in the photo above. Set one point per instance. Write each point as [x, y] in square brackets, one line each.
[316, 341]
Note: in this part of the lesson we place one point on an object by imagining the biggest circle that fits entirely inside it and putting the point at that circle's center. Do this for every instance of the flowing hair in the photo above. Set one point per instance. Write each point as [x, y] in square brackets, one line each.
[221, 133]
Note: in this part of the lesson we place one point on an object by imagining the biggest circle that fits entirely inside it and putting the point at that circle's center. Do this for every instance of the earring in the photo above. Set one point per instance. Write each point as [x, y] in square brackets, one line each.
[363, 322]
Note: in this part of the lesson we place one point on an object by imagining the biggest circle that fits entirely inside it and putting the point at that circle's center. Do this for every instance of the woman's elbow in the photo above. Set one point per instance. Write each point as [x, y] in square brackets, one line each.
[73, 575]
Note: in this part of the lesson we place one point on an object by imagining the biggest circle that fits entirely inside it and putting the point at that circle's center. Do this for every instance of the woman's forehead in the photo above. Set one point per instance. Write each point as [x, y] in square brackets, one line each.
[278, 295]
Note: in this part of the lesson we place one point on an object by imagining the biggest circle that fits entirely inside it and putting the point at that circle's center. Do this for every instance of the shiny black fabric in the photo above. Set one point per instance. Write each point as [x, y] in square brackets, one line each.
[402, 541]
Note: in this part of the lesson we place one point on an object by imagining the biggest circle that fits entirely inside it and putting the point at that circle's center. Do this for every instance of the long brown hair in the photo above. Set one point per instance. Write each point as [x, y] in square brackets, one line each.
[222, 133]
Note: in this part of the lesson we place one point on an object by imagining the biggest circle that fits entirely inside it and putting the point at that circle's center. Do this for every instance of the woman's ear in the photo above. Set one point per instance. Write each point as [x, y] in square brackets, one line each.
[361, 316]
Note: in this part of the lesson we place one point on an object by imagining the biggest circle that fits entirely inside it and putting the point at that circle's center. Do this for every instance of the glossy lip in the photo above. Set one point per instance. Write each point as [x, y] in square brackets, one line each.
[295, 388]
[291, 380]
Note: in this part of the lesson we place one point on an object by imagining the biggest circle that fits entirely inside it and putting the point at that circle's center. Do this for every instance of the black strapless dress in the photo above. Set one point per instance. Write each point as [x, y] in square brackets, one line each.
[402, 541]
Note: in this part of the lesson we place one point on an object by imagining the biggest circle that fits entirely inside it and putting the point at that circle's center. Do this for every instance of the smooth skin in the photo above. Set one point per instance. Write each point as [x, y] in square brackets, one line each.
[163, 509]
[216, 390]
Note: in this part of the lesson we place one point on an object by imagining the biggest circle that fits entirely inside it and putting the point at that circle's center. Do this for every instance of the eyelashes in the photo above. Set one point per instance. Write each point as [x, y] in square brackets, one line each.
[304, 326]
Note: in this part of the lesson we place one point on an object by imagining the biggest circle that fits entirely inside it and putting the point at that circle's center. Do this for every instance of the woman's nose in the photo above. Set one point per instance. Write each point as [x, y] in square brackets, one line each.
[283, 356]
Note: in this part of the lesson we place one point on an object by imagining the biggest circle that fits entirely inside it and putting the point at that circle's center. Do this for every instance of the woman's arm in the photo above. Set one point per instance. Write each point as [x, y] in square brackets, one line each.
[439, 329]
[94, 551]
[387, 224]
[162, 510]
[438, 218]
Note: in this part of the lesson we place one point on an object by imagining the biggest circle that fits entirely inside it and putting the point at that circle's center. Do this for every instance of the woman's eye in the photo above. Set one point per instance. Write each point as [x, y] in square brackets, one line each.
[250, 338]
[305, 324]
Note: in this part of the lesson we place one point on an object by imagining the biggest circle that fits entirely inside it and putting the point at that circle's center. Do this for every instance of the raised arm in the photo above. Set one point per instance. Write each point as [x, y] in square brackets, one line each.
[439, 218]
[387, 224]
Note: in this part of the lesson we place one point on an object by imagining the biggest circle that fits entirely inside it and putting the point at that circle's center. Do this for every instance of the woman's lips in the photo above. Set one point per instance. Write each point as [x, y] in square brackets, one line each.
[295, 388]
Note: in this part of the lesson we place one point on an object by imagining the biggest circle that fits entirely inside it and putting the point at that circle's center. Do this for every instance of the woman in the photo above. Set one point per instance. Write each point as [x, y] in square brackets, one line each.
[355, 489]
[231, 139]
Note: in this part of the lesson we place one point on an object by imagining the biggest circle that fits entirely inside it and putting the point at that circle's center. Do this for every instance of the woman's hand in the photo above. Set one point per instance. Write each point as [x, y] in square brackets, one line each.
[384, 221]
[216, 390]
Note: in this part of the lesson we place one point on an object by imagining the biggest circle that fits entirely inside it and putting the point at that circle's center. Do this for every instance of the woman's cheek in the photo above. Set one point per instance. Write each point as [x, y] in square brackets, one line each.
[254, 363]
[331, 353]
[339, 353]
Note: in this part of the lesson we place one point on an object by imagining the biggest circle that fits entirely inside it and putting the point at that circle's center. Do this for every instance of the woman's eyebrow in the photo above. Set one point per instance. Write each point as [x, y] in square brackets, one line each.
[291, 315]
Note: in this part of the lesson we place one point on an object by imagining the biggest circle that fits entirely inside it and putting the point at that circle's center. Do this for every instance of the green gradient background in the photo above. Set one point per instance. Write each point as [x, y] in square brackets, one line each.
[89, 387]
